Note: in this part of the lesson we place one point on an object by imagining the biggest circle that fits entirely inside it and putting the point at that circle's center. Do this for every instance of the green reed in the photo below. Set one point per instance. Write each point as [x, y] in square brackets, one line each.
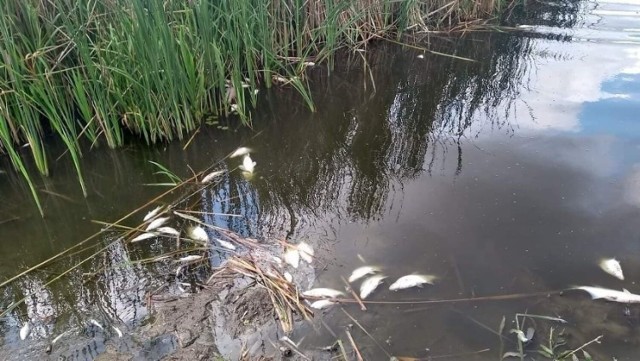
[88, 72]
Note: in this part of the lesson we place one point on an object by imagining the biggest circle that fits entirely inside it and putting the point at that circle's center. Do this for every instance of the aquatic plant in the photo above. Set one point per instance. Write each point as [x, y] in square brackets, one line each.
[90, 72]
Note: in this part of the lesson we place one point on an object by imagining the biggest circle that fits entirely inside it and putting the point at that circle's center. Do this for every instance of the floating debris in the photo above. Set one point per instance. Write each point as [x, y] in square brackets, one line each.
[117, 331]
[370, 284]
[240, 152]
[521, 335]
[59, 337]
[362, 271]
[409, 281]
[309, 63]
[323, 292]
[248, 165]
[152, 213]
[322, 304]
[25, 331]
[211, 176]
[96, 323]
[169, 230]
[306, 251]
[190, 258]
[198, 234]
[187, 217]
[289, 278]
[157, 223]
[292, 257]
[143, 236]
[421, 56]
[623, 296]
[612, 267]
[225, 244]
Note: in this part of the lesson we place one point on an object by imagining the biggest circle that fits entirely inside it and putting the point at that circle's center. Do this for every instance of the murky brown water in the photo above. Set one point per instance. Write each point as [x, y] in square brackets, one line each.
[512, 174]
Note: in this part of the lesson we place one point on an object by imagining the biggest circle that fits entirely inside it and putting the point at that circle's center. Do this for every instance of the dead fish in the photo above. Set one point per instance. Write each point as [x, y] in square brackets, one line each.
[292, 257]
[521, 335]
[322, 304]
[306, 251]
[169, 230]
[152, 213]
[211, 176]
[225, 244]
[59, 337]
[96, 323]
[198, 234]
[248, 165]
[421, 56]
[309, 63]
[370, 284]
[157, 223]
[612, 267]
[323, 292]
[25, 331]
[239, 152]
[187, 217]
[143, 236]
[117, 331]
[362, 271]
[189, 258]
[409, 281]
[623, 296]
[288, 277]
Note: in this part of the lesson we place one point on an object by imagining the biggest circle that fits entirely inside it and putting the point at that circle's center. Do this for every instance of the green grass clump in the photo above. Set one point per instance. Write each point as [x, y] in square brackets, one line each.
[95, 70]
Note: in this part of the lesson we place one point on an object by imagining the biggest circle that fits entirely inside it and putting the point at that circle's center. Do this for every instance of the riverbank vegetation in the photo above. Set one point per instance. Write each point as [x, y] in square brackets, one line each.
[91, 72]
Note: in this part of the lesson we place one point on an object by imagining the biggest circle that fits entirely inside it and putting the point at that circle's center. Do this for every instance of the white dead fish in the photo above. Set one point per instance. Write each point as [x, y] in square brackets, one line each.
[421, 56]
[248, 165]
[96, 323]
[612, 267]
[309, 63]
[117, 331]
[288, 277]
[323, 292]
[306, 251]
[169, 230]
[409, 281]
[152, 213]
[255, 91]
[143, 236]
[198, 234]
[370, 284]
[158, 222]
[239, 152]
[322, 304]
[362, 271]
[25, 331]
[226, 244]
[211, 176]
[189, 258]
[60, 336]
[623, 296]
[292, 257]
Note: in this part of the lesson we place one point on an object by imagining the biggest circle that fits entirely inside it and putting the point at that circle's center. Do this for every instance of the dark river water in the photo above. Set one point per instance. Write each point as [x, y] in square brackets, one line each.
[511, 174]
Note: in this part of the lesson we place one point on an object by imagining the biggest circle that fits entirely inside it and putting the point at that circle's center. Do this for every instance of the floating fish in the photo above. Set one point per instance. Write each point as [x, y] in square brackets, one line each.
[198, 234]
[409, 281]
[96, 323]
[187, 217]
[158, 222]
[169, 230]
[117, 331]
[143, 236]
[189, 258]
[306, 251]
[370, 284]
[623, 296]
[612, 267]
[239, 152]
[521, 335]
[421, 56]
[309, 63]
[362, 271]
[226, 244]
[292, 257]
[322, 304]
[323, 292]
[211, 176]
[152, 213]
[59, 337]
[248, 165]
[288, 277]
[25, 331]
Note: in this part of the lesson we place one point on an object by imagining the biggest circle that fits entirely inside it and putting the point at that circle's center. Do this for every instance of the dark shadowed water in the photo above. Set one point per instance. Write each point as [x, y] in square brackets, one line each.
[512, 174]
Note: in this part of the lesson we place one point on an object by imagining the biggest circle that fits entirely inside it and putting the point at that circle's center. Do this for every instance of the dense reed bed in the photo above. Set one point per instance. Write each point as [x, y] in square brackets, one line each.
[89, 72]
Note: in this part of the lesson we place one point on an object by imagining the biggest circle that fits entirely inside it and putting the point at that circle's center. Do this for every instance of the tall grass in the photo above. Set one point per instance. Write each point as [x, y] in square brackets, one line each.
[91, 71]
